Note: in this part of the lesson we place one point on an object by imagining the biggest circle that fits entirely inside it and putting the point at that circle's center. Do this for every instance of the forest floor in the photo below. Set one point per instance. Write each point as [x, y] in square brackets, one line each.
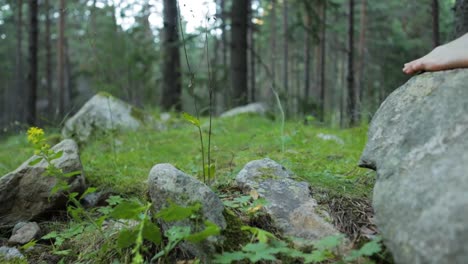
[120, 162]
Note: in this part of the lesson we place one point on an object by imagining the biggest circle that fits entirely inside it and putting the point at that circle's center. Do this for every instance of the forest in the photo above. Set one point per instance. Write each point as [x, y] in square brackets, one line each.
[230, 131]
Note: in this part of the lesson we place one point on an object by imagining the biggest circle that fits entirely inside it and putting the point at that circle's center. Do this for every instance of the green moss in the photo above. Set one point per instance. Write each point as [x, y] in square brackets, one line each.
[234, 236]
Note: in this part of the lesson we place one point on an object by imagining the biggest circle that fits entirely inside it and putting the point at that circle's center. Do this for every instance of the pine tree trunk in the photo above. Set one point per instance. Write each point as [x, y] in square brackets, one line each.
[252, 53]
[33, 48]
[61, 58]
[172, 78]
[239, 18]
[323, 60]
[20, 91]
[272, 46]
[350, 79]
[48, 66]
[361, 49]
[461, 17]
[286, 89]
[307, 43]
[435, 23]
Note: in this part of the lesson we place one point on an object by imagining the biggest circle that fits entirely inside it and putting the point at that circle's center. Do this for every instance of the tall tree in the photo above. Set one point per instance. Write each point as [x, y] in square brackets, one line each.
[239, 18]
[435, 23]
[48, 65]
[252, 52]
[172, 77]
[19, 58]
[33, 51]
[307, 43]
[285, 50]
[323, 58]
[461, 17]
[361, 49]
[61, 57]
[273, 42]
[350, 79]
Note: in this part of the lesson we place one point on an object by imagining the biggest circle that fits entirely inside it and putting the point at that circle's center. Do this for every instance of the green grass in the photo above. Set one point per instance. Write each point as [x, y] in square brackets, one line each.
[121, 162]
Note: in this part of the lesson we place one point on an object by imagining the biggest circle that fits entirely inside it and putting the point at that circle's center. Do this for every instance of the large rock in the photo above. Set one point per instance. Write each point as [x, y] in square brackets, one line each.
[166, 183]
[289, 202]
[253, 108]
[26, 193]
[103, 112]
[418, 142]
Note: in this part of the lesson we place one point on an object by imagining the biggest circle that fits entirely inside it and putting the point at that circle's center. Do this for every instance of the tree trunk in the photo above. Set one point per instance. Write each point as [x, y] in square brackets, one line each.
[239, 18]
[61, 58]
[48, 66]
[33, 48]
[323, 60]
[307, 43]
[461, 17]
[435, 23]
[272, 47]
[172, 78]
[350, 79]
[17, 100]
[361, 49]
[251, 53]
[285, 55]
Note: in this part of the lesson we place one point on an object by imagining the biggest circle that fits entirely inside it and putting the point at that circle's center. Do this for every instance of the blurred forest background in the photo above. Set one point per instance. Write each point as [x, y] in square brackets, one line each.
[333, 60]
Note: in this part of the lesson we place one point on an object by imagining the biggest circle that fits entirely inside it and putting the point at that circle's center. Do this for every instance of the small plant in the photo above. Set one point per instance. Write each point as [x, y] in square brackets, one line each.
[266, 247]
[208, 170]
[36, 137]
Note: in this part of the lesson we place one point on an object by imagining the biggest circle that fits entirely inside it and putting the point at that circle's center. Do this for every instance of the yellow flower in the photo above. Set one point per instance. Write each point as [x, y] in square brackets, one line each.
[35, 135]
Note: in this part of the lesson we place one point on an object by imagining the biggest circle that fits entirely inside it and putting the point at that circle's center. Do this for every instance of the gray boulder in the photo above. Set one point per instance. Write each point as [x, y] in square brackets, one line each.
[418, 142]
[253, 108]
[26, 192]
[166, 183]
[103, 112]
[23, 232]
[10, 253]
[289, 203]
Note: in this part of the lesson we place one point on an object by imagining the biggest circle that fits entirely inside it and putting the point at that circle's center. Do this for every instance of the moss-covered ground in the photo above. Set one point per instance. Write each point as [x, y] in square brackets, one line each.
[121, 161]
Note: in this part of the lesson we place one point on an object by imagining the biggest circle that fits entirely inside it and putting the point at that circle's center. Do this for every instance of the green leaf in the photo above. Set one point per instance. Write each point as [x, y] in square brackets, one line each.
[151, 232]
[229, 257]
[329, 242]
[35, 161]
[317, 256]
[56, 155]
[262, 235]
[211, 229]
[114, 200]
[128, 210]
[368, 249]
[175, 212]
[51, 235]
[260, 251]
[88, 191]
[193, 120]
[126, 238]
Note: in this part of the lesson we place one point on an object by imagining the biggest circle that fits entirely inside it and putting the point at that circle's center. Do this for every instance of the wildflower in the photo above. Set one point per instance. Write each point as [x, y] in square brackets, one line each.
[35, 135]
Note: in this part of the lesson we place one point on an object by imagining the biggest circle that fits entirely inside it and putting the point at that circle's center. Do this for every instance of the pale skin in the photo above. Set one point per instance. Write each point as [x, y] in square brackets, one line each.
[448, 56]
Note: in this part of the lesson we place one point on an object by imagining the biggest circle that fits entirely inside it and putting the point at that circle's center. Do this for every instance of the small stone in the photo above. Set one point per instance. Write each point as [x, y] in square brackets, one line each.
[24, 232]
[9, 253]
[253, 108]
[289, 203]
